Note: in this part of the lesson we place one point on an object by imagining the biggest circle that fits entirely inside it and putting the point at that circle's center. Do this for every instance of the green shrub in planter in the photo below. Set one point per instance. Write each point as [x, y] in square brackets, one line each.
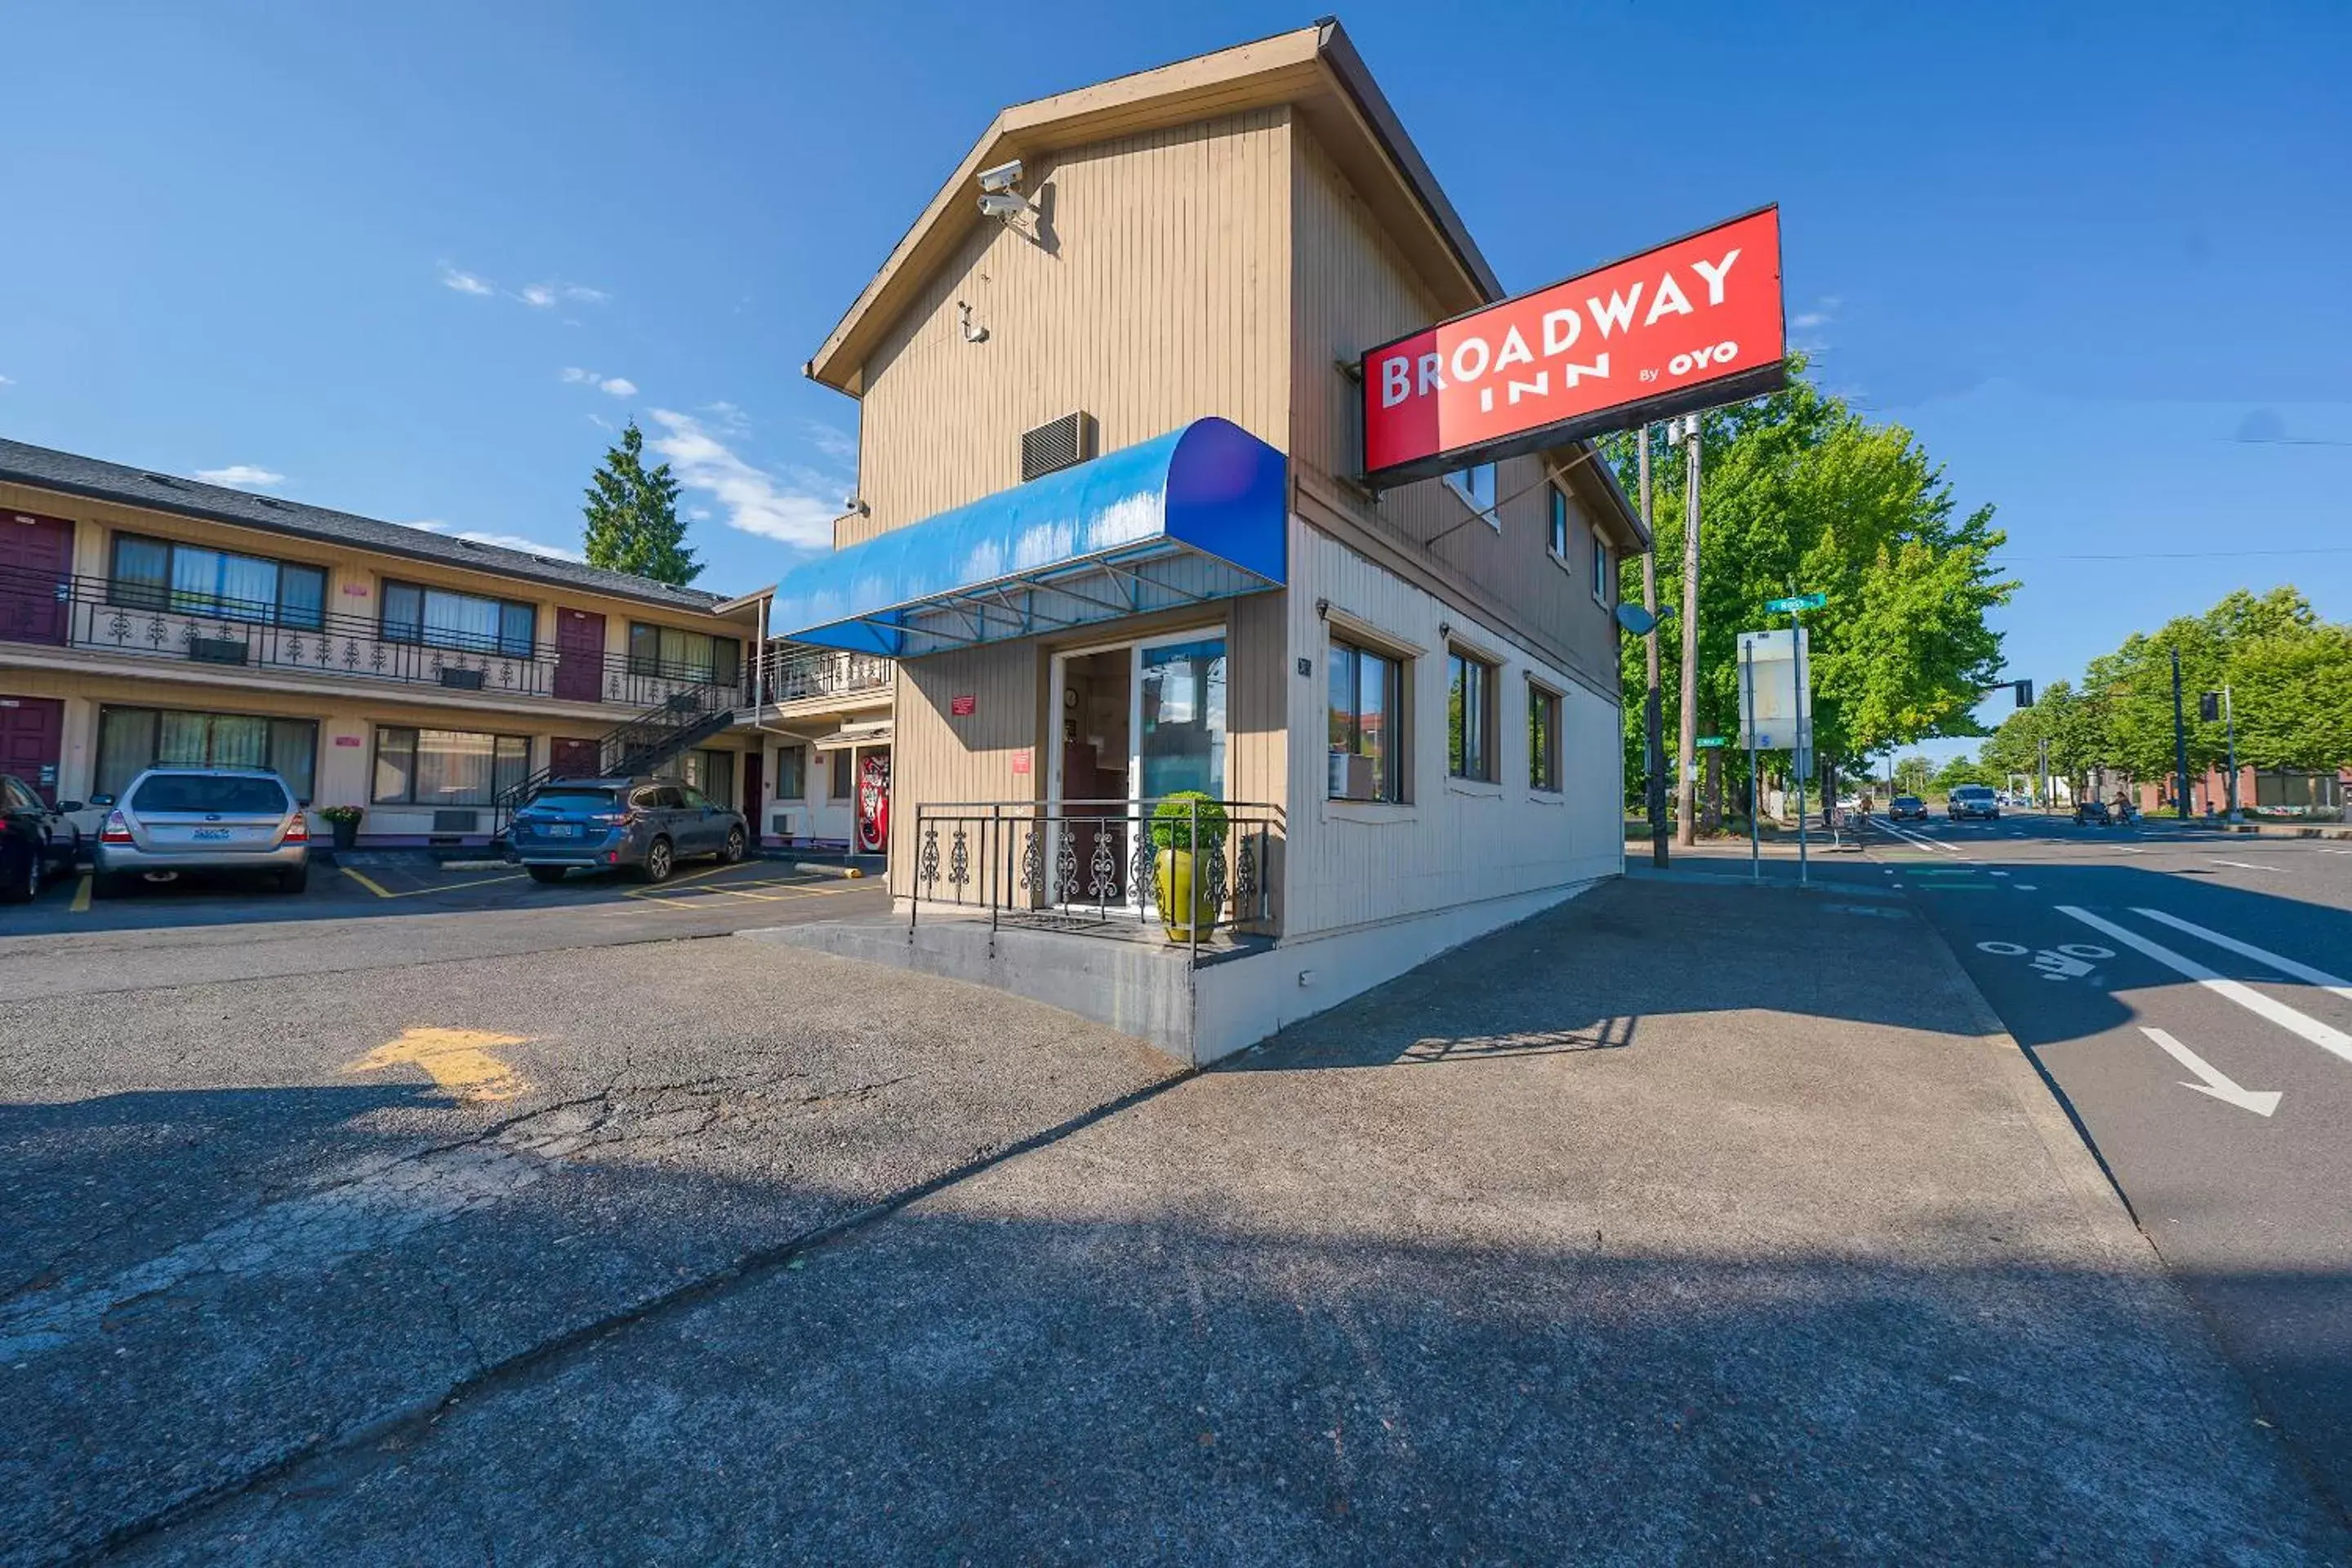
[1186, 827]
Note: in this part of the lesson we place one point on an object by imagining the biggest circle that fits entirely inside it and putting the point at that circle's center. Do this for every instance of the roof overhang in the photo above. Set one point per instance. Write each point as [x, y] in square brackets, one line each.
[1314, 69]
[1192, 517]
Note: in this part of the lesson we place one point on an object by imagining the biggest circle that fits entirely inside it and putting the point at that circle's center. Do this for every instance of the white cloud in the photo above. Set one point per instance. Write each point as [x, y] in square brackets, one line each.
[464, 282]
[539, 296]
[836, 444]
[241, 475]
[504, 541]
[617, 385]
[6, 381]
[1823, 312]
[728, 418]
[573, 376]
[750, 499]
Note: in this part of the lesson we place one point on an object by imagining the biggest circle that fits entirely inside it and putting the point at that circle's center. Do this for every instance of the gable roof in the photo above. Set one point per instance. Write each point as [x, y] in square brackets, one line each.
[1314, 69]
[44, 468]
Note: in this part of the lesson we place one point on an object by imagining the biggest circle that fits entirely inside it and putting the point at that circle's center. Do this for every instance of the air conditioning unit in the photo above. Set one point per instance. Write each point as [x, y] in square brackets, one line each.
[1353, 777]
[1064, 443]
[461, 680]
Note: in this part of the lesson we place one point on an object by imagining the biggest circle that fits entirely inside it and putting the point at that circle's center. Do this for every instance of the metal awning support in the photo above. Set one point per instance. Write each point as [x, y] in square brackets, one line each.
[1194, 516]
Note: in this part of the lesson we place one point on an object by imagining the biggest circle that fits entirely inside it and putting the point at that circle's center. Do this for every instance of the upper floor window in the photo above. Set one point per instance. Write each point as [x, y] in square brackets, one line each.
[1475, 486]
[439, 619]
[1604, 570]
[161, 575]
[1556, 518]
[675, 655]
[1469, 717]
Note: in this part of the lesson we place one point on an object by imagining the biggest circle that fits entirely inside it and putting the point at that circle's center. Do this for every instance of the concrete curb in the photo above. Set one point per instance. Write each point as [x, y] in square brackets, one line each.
[820, 869]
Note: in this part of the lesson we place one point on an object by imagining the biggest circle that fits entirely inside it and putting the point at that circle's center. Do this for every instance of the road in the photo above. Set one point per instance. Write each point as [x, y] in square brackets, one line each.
[2185, 995]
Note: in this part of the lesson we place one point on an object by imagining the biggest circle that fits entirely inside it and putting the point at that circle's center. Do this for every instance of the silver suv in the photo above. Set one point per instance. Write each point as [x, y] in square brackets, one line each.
[174, 820]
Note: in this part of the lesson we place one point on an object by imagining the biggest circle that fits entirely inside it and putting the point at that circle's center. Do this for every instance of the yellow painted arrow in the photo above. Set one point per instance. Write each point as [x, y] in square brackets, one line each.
[458, 1059]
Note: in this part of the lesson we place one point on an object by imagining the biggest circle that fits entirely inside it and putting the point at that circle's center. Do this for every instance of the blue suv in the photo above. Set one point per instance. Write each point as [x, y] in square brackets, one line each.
[643, 826]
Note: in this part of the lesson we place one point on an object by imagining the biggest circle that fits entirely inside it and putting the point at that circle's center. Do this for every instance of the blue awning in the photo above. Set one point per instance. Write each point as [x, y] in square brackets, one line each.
[1193, 516]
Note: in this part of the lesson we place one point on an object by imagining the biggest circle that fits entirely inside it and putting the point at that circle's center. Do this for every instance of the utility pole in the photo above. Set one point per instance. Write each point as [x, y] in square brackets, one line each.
[2179, 743]
[2042, 781]
[1654, 701]
[2230, 717]
[1686, 769]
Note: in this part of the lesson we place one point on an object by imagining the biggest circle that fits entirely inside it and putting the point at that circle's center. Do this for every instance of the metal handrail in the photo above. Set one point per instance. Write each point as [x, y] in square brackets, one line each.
[1020, 862]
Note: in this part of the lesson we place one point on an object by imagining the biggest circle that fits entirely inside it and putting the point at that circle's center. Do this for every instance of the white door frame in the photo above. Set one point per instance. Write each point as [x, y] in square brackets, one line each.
[1224, 635]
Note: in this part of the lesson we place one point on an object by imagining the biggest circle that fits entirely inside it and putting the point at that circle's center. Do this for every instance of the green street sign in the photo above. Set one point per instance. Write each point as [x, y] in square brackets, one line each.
[1801, 602]
[1706, 741]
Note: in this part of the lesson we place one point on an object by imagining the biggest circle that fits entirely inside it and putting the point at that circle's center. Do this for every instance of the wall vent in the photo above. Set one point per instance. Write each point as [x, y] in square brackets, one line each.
[1057, 445]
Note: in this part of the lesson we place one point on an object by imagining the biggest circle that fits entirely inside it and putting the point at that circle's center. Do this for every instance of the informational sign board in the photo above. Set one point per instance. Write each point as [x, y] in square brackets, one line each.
[1774, 679]
[1689, 324]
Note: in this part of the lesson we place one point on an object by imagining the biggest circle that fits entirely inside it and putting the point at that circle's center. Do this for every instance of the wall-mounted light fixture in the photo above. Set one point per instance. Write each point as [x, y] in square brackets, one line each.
[1445, 631]
[1322, 609]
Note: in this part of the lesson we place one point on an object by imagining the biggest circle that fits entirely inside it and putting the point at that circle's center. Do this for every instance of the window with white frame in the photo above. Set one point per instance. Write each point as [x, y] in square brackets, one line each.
[1475, 486]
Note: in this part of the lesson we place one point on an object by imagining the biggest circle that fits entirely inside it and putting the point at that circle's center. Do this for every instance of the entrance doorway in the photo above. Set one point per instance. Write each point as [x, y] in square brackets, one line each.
[32, 735]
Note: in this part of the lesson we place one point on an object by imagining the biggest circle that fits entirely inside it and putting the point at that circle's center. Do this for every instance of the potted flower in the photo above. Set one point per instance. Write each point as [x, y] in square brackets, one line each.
[1187, 830]
[345, 822]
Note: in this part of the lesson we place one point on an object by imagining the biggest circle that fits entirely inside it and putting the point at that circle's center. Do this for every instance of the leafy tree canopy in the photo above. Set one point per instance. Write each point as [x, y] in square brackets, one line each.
[632, 512]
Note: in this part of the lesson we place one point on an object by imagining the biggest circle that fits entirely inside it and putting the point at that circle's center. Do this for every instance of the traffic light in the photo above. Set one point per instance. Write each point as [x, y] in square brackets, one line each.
[2025, 690]
[2209, 707]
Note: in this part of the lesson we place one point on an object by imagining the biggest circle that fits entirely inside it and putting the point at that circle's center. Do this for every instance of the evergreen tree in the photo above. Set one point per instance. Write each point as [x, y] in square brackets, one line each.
[633, 521]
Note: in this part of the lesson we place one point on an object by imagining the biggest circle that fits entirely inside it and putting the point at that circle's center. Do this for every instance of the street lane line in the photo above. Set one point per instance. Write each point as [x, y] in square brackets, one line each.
[1910, 838]
[80, 905]
[2242, 865]
[2331, 1040]
[2212, 1080]
[2303, 971]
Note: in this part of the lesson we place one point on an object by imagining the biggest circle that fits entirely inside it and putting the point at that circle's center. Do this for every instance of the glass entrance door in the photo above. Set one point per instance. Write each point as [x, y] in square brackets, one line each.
[1179, 722]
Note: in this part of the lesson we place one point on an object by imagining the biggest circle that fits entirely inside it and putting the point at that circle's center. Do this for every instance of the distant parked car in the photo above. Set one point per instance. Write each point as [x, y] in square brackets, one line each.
[174, 820]
[2093, 813]
[37, 841]
[1906, 806]
[643, 825]
[1968, 801]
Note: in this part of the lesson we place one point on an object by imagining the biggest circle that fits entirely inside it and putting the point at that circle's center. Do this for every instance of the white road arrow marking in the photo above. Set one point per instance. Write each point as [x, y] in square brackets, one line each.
[2211, 1080]
[2303, 971]
[2332, 1040]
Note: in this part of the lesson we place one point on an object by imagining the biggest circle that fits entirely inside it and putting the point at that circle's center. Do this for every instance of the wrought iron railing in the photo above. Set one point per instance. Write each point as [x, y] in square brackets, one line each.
[639, 745]
[792, 673]
[144, 621]
[1096, 865]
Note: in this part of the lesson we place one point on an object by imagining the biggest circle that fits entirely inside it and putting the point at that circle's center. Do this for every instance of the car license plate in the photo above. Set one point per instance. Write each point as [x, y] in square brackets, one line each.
[561, 830]
[209, 835]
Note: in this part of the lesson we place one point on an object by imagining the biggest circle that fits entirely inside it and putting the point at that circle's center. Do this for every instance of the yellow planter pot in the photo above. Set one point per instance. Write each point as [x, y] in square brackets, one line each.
[1183, 905]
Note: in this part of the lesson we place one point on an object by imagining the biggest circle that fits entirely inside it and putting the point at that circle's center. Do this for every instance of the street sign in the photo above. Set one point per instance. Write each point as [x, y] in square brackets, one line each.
[1707, 742]
[1790, 607]
[1772, 676]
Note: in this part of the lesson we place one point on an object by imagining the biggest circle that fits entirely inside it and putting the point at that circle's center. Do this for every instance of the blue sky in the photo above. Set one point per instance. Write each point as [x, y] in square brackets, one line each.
[416, 261]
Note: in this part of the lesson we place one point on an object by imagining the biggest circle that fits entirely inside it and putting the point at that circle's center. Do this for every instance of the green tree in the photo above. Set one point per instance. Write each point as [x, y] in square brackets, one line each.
[1799, 491]
[633, 521]
[1967, 770]
[1911, 774]
[2272, 644]
[2292, 694]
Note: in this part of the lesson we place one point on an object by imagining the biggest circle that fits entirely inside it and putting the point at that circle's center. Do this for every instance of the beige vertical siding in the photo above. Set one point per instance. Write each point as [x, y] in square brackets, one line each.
[1161, 296]
[936, 756]
[1352, 291]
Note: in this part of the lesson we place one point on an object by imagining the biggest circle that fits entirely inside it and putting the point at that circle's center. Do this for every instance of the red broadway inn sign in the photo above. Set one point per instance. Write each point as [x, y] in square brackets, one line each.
[1690, 324]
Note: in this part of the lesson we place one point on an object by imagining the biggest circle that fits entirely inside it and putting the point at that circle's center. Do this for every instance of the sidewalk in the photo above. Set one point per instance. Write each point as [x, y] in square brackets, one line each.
[1658, 1229]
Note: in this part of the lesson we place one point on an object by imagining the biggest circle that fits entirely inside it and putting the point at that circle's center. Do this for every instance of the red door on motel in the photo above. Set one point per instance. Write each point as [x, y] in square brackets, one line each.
[568, 759]
[579, 655]
[36, 563]
[32, 737]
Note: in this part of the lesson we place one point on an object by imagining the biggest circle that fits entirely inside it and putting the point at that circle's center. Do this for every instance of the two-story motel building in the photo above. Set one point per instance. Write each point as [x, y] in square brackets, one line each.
[425, 678]
[1112, 534]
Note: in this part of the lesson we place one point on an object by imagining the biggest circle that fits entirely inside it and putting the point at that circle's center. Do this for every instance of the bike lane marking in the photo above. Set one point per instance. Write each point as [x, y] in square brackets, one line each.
[2334, 1041]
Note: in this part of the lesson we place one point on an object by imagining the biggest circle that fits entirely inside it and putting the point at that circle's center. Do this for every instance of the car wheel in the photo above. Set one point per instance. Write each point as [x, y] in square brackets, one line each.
[546, 873]
[295, 881]
[659, 859]
[734, 850]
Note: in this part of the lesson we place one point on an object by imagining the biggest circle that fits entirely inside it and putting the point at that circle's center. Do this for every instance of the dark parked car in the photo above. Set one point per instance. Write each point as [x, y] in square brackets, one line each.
[2093, 813]
[1972, 800]
[37, 840]
[645, 826]
[1908, 807]
[174, 820]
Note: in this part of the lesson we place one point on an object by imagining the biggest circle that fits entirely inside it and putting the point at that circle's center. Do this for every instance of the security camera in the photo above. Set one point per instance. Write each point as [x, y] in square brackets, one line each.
[1003, 177]
[1004, 203]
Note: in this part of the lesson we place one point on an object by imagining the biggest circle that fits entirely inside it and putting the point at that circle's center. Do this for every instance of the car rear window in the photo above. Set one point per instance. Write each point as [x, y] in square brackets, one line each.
[210, 793]
[573, 799]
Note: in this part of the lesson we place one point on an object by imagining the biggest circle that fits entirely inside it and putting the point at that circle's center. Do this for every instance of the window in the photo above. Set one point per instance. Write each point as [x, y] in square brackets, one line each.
[844, 774]
[1543, 739]
[157, 575]
[792, 773]
[447, 767]
[1604, 573]
[130, 739]
[674, 655]
[1475, 486]
[1367, 714]
[712, 773]
[1469, 717]
[1556, 538]
[437, 617]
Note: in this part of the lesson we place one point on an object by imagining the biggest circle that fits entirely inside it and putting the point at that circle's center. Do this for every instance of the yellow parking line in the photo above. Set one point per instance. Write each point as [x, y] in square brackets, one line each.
[369, 883]
[81, 897]
[380, 892]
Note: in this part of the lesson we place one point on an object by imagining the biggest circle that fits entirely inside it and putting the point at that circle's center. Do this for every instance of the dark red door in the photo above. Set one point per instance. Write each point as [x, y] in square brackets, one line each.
[573, 759]
[35, 565]
[753, 807]
[32, 737]
[580, 655]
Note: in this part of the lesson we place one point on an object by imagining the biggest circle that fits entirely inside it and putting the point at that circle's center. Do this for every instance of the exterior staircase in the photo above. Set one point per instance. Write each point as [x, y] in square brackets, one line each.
[642, 744]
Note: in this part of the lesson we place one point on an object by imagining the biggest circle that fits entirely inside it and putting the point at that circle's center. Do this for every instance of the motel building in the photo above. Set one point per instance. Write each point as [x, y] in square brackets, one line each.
[1111, 531]
[430, 681]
